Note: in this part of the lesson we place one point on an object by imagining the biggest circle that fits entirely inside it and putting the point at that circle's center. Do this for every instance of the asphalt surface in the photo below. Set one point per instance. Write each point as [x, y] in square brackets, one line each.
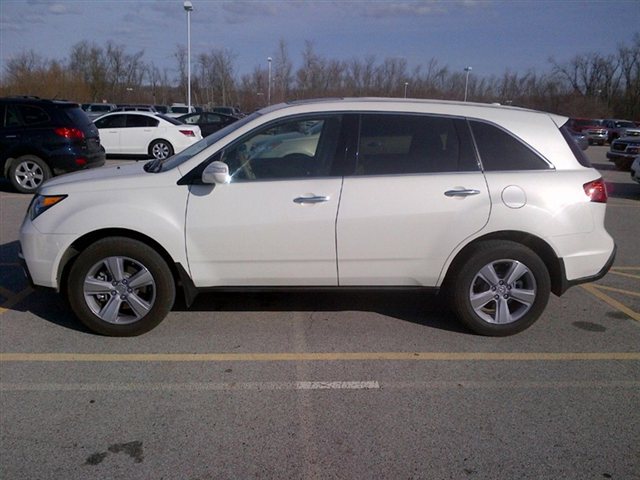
[319, 386]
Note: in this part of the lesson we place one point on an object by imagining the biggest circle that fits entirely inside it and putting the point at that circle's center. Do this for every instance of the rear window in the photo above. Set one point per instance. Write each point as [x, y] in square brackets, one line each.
[171, 120]
[500, 151]
[575, 148]
[77, 116]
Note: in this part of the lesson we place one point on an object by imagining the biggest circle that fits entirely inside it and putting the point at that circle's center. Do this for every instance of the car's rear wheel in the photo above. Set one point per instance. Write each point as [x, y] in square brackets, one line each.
[28, 172]
[120, 287]
[500, 289]
[160, 149]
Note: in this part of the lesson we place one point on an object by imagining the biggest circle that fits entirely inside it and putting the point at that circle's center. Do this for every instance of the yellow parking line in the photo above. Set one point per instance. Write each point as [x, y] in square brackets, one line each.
[625, 268]
[310, 357]
[617, 290]
[621, 274]
[6, 293]
[14, 299]
[611, 302]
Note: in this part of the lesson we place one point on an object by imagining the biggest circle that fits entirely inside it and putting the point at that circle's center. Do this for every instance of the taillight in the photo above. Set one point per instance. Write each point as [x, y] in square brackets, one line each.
[70, 132]
[188, 133]
[596, 191]
[81, 162]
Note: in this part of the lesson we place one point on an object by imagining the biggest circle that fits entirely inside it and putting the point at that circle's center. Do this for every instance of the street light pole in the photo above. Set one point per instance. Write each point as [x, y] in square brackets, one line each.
[466, 82]
[406, 84]
[269, 86]
[188, 7]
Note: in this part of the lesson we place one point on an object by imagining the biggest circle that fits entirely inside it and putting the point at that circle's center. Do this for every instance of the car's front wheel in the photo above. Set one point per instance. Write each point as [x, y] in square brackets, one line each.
[160, 149]
[28, 172]
[500, 289]
[120, 287]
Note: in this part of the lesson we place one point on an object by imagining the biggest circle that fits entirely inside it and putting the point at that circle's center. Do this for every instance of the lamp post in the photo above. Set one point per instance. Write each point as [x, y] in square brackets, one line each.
[466, 82]
[188, 7]
[406, 84]
[269, 59]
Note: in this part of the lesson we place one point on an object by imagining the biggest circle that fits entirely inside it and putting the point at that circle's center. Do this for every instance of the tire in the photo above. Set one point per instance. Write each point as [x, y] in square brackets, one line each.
[160, 149]
[28, 172]
[120, 287]
[500, 289]
[623, 164]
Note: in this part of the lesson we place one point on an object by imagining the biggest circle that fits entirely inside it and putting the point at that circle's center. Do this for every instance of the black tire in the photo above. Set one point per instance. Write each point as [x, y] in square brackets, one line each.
[491, 302]
[28, 172]
[120, 287]
[623, 164]
[160, 149]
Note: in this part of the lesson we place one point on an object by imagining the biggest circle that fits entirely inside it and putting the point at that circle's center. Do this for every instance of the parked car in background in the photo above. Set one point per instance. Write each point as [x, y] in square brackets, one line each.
[178, 109]
[617, 128]
[623, 151]
[161, 109]
[142, 133]
[581, 139]
[596, 133]
[495, 205]
[208, 122]
[42, 138]
[635, 169]
[94, 110]
[135, 108]
[233, 111]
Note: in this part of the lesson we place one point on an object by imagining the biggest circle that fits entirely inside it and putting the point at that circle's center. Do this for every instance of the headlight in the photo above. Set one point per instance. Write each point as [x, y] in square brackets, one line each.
[42, 203]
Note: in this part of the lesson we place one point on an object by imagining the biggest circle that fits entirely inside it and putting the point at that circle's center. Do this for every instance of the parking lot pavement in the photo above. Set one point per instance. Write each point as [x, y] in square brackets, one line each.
[326, 385]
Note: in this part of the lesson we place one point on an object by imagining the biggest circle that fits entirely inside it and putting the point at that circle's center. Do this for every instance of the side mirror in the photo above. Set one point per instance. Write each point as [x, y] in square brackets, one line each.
[216, 172]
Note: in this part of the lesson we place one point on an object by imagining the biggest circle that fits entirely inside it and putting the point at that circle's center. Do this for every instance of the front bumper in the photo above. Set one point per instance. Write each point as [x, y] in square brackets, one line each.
[25, 268]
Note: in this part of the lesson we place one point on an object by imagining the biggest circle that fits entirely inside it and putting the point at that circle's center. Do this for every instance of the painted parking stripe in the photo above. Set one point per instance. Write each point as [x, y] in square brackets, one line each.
[617, 290]
[623, 274]
[15, 299]
[192, 386]
[320, 356]
[611, 302]
[328, 385]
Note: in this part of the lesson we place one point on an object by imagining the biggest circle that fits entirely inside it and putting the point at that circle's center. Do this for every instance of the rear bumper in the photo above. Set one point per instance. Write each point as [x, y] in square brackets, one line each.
[72, 160]
[565, 284]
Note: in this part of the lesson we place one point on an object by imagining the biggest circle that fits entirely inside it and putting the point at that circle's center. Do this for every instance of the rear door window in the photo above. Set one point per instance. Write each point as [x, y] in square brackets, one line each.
[392, 144]
[136, 121]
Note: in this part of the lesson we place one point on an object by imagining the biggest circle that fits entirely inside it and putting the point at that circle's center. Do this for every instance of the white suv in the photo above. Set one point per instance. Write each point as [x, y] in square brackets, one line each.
[495, 204]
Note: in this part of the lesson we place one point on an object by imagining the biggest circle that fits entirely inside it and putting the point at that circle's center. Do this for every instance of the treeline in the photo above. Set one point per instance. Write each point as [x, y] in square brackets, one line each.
[590, 84]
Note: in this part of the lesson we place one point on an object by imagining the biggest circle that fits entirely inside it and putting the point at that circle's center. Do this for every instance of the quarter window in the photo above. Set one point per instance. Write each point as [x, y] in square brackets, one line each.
[32, 115]
[299, 148]
[410, 144]
[500, 151]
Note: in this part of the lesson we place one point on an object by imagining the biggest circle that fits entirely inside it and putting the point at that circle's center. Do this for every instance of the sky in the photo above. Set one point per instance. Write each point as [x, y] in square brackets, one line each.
[491, 36]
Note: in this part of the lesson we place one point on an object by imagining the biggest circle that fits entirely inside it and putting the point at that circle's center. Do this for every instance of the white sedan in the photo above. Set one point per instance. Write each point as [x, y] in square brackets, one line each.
[142, 133]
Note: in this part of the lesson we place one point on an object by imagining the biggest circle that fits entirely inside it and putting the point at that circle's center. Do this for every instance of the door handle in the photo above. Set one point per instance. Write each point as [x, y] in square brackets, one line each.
[312, 200]
[465, 192]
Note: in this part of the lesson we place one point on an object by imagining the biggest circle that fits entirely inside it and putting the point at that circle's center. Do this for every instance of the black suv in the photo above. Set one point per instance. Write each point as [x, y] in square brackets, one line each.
[41, 138]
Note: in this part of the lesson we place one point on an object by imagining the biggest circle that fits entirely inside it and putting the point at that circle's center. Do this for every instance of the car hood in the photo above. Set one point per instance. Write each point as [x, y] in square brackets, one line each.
[117, 177]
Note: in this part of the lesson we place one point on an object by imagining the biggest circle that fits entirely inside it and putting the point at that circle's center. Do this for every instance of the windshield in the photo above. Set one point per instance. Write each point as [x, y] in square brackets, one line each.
[156, 166]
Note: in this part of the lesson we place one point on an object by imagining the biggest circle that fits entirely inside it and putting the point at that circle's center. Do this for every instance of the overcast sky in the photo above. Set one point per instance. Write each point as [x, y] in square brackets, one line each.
[491, 36]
